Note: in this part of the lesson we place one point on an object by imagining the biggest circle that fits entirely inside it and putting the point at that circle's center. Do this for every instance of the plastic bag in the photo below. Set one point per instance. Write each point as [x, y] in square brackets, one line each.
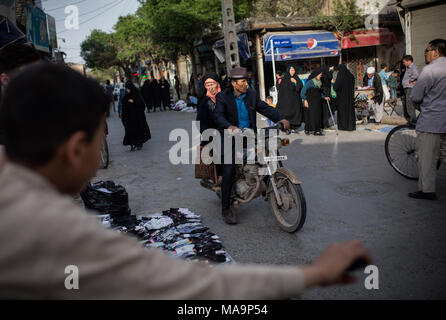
[107, 198]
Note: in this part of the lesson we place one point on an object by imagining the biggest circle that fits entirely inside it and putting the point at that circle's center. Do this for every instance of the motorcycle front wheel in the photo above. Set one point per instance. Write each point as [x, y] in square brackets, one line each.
[292, 213]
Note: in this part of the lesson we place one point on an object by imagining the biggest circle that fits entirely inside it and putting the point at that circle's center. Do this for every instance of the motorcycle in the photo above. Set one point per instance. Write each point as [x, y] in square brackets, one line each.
[280, 186]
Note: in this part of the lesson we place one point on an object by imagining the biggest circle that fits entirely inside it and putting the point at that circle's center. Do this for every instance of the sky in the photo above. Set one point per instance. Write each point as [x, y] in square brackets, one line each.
[93, 14]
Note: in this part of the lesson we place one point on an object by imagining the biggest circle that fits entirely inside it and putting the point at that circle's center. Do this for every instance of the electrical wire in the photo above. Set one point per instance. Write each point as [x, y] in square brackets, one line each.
[93, 17]
[95, 10]
[70, 4]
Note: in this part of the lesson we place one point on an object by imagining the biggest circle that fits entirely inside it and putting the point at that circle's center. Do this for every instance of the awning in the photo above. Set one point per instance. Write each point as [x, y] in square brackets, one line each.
[367, 38]
[300, 45]
[9, 33]
[243, 48]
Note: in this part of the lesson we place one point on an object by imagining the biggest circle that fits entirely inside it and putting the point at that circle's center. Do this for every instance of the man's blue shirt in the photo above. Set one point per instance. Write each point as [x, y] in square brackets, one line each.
[243, 116]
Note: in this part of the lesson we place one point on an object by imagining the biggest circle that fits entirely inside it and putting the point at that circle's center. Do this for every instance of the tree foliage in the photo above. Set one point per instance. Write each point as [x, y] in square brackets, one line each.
[283, 8]
[98, 51]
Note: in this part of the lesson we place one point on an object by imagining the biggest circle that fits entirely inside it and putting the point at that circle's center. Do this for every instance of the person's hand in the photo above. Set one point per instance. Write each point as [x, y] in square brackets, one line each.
[293, 80]
[131, 100]
[286, 124]
[232, 129]
[120, 115]
[327, 98]
[332, 80]
[412, 83]
[306, 104]
[331, 267]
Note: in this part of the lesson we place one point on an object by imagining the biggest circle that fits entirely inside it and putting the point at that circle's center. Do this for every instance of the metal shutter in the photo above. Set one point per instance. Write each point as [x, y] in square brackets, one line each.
[427, 24]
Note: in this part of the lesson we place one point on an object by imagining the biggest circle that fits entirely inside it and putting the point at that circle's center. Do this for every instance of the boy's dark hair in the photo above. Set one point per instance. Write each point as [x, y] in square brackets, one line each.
[15, 55]
[396, 71]
[107, 82]
[440, 45]
[408, 57]
[383, 65]
[44, 105]
[269, 98]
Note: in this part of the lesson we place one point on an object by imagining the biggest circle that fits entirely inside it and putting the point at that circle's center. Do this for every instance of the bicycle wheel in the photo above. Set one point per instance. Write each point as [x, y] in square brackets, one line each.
[400, 151]
[105, 158]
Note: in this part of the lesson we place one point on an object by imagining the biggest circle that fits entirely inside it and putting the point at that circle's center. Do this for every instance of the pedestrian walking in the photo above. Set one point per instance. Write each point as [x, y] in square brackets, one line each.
[384, 81]
[393, 84]
[312, 96]
[137, 131]
[409, 80]
[147, 94]
[344, 86]
[373, 80]
[156, 93]
[109, 91]
[165, 93]
[289, 102]
[177, 87]
[327, 76]
[429, 92]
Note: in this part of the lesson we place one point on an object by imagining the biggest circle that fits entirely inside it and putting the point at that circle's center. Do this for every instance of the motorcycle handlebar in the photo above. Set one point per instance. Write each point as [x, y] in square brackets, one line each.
[278, 126]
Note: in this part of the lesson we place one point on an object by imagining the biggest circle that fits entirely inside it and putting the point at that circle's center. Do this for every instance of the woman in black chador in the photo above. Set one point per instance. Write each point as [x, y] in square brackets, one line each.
[312, 95]
[165, 93]
[327, 76]
[289, 103]
[134, 119]
[345, 90]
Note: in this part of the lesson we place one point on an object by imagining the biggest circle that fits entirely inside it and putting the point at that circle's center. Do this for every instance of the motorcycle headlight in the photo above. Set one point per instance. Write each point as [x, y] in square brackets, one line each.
[285, 142]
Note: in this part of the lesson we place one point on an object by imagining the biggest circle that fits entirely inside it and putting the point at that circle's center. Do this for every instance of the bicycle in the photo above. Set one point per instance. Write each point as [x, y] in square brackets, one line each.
[400, 151]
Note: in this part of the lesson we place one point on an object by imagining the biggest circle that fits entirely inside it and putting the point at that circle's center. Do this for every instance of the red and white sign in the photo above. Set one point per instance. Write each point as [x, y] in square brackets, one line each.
[311, 43]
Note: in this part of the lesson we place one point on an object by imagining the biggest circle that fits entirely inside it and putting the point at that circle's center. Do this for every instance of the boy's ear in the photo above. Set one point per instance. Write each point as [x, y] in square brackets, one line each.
[75, 149]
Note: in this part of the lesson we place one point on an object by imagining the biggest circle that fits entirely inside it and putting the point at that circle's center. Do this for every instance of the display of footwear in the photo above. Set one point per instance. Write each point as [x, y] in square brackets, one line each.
[307, 133]
[319, 134]
[423, 195]
[229, 216]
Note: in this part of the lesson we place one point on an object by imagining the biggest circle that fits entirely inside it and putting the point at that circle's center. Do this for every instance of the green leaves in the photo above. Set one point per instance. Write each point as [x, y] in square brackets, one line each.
[160, 29]
[98, 51]
[345, 18]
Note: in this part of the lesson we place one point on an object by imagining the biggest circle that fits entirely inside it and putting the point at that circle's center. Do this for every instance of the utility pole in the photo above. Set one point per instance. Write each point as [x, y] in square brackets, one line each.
[231, 45]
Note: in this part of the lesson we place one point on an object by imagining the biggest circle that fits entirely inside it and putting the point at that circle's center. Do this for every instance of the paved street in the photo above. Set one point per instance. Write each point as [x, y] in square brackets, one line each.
[351, 192]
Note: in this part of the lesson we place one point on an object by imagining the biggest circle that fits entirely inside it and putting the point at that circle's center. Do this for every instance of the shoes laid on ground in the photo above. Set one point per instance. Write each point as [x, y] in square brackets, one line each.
[423, 195]
[229, 217]
[307, 133]
[132, 148]
[294, 131]
[319, 134]
[330, 129]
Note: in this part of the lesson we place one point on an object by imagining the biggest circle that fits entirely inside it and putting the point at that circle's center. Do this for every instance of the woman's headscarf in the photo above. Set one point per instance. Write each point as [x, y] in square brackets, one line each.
[131, 86]
[315, 73]
[343, 73]
[134, 93]
[211, 93]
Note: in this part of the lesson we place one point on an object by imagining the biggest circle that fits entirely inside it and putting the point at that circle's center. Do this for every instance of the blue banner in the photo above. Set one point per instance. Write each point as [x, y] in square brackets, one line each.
[243, 45]
[300, 45]
[36, 28]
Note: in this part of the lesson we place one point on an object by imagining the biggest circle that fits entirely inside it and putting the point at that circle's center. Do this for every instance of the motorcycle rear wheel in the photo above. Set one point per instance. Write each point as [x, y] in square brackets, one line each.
[293, 212]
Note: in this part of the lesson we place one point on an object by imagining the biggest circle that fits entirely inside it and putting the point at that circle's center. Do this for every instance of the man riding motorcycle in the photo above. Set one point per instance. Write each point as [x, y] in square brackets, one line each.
[236, 108]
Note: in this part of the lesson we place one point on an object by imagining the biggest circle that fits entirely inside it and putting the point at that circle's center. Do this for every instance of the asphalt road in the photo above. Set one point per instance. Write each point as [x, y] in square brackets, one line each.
[351, 193]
